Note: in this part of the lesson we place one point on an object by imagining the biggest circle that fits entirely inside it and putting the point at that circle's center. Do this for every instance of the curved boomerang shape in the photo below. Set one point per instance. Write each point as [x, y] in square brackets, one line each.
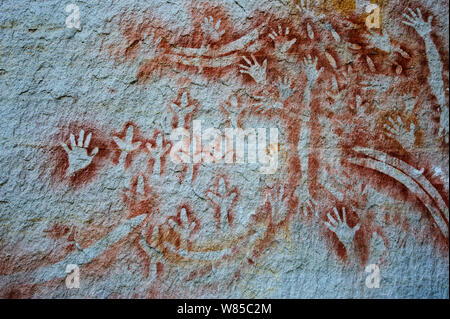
[219, 58]
[204, 62]
[403, 172]
[236, 45]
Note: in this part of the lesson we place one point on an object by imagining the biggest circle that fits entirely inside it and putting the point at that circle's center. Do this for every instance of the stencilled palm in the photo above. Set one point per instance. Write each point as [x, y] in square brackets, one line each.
[126, 145]
[185, 229]
[339, 226]
[416, 21]
[265, 103]
[158, 151]
[398, 131]
[380, 41]
[282, 44]
[305, 199]
[255, 70]
[279, 203]
[183, 109]
[78, 152]
[223, 199]
[211, 31]
[383, 42]
[285, 89]
[357, 193]
[305, 9]
[149, 47]
[435, 65]
[310, 67]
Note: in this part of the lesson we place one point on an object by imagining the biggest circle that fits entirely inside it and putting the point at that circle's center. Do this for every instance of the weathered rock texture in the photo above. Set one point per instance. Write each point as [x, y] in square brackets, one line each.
[88, 175]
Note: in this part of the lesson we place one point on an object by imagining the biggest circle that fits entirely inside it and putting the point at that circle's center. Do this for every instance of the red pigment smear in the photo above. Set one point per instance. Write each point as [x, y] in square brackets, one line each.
[411, 73]
[139, 204]
[58, 231]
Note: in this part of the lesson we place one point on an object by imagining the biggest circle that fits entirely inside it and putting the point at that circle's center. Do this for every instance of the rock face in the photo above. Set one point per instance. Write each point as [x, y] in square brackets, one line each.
[284, 149]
